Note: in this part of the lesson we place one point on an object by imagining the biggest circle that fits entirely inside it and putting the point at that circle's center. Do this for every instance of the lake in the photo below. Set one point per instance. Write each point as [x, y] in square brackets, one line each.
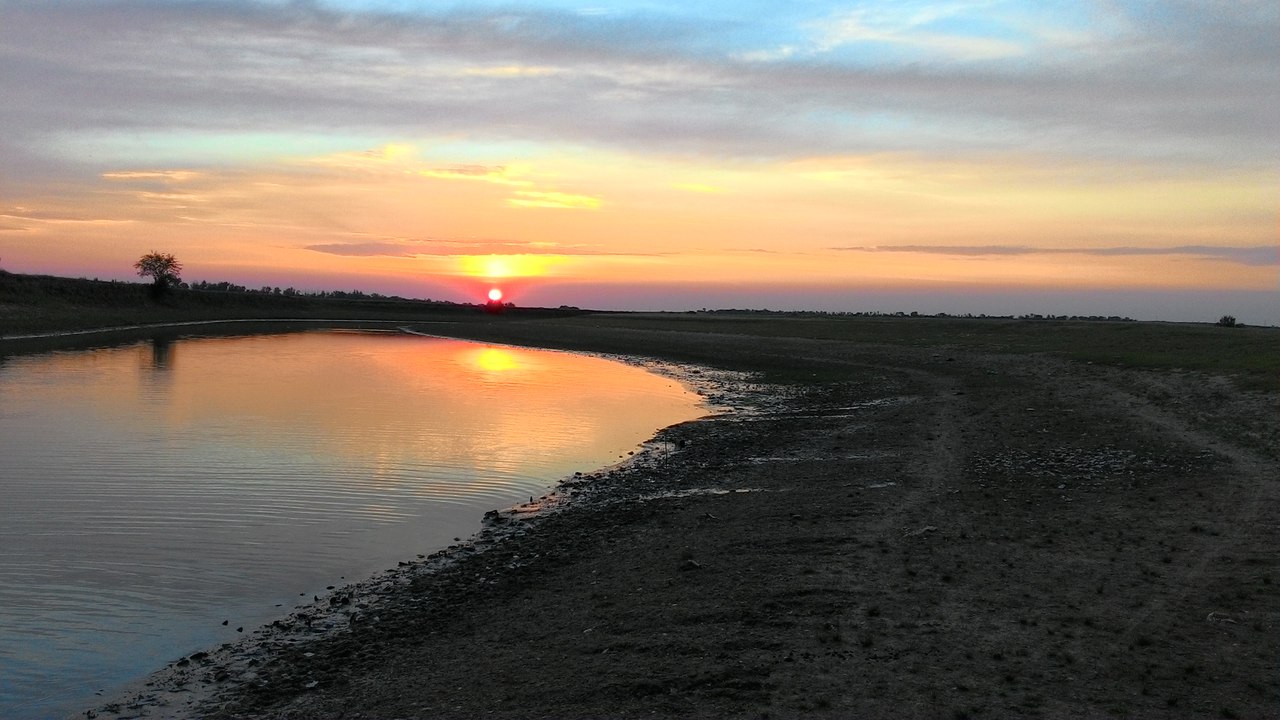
[148, 493]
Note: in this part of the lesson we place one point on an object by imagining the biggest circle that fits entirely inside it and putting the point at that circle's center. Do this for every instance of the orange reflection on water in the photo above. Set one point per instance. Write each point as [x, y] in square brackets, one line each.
[211, 473]
[495, 360]
[384, 402]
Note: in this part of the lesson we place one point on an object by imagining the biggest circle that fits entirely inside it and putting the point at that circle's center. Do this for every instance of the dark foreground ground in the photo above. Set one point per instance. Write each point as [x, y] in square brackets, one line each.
[885, 531]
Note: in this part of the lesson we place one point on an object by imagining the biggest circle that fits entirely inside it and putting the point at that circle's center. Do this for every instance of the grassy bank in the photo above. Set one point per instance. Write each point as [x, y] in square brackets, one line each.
[1249, 355]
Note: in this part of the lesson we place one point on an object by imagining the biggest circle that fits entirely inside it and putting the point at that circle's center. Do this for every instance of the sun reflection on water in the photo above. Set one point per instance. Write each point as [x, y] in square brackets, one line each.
[495, 360]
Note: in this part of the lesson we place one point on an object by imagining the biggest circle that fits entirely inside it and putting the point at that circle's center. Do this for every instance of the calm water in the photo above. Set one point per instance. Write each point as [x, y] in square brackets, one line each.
[148, 493]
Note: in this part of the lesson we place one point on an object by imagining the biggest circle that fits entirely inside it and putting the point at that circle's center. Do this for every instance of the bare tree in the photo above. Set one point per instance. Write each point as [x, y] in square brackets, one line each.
[162, 268]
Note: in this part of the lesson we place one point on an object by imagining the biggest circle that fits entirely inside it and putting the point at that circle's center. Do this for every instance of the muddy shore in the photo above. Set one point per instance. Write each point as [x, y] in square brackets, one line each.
[890, 533]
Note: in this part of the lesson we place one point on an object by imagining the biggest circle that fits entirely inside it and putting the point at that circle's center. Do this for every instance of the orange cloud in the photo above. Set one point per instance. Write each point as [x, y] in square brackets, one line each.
[168, 175]
[540, 199]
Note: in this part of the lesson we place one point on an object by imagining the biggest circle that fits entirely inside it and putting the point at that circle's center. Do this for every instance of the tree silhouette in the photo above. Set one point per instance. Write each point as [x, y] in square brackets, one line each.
[162, 268]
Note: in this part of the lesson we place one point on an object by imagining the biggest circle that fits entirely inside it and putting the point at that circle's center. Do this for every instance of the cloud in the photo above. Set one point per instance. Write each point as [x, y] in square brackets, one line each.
[1258, 256]
[565, 201]
[765, 251]
[510, 71]
[1168, 82]
[26, 217]
[497, 174]
[367, 249]
[523, 198]
[165, 175]
[408, 248]
[910, 32]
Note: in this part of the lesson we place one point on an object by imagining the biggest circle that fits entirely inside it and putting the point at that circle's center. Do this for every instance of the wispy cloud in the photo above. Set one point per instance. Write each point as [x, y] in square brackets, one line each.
[912, 30]
[1172, 82]
[368, 249]
[498, 174]
[1257, 255]
[163, 175]
[511, 71]
[764, 251]
[527, 192]
[525, 196]
[408, 248]
[25, 218]
[557, 200]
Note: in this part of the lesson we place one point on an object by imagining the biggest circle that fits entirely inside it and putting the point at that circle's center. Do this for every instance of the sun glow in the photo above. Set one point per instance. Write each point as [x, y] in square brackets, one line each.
[507, 266]
[495, 295]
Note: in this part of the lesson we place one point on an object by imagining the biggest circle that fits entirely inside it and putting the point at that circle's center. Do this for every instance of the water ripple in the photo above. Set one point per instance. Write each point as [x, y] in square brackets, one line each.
[152, 492]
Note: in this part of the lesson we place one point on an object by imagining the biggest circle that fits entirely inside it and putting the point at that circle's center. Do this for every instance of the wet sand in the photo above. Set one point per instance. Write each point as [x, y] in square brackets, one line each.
[891, 533]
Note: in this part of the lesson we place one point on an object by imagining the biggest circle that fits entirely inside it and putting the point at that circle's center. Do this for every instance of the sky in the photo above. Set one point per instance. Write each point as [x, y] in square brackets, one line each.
[974, 156]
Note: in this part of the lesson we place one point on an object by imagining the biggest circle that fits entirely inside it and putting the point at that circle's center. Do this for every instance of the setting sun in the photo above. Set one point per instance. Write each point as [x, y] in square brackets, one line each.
[495, 295]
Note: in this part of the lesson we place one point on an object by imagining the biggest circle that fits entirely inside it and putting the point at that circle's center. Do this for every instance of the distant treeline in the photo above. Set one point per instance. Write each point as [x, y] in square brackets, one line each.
[227, 287]
[900, 314]
[26, 289]
[22, 289]
[32, 304]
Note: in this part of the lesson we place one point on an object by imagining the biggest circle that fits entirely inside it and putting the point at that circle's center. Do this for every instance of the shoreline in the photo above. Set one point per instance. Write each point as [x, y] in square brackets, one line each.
[937, 533]
[186, 683]
[189, 681]
[182, 324]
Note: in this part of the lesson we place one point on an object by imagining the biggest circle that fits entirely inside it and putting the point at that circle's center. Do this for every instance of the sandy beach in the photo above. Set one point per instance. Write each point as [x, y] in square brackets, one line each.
[902, 534]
